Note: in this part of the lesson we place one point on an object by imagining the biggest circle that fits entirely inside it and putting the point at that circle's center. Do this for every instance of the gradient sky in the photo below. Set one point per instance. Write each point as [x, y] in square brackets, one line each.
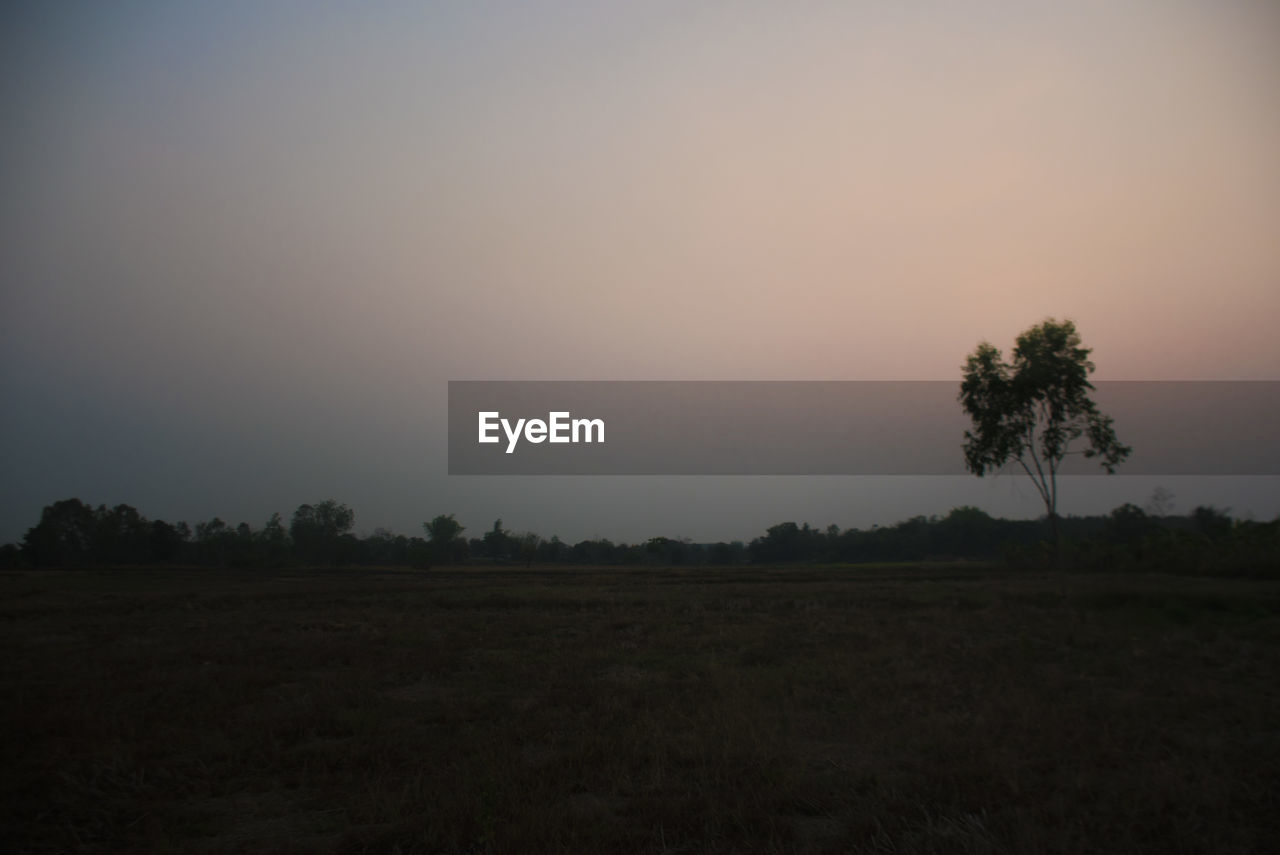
[245, 245]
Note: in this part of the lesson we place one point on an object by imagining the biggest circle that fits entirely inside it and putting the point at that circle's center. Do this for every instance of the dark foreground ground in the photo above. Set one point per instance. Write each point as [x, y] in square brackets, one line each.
[891, 710]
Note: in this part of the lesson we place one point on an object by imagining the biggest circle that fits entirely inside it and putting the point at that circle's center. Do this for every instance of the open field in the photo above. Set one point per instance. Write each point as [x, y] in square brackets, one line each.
[893, 709]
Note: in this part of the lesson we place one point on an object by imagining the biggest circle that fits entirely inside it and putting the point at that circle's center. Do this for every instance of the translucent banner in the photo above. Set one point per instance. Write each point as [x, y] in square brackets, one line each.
[829, 428]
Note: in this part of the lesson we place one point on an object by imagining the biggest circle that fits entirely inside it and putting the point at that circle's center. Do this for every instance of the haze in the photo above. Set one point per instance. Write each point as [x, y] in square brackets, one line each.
[246, 245]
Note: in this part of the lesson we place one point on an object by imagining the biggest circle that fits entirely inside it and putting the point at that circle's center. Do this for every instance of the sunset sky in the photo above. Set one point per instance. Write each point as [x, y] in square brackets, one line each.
[245, 245]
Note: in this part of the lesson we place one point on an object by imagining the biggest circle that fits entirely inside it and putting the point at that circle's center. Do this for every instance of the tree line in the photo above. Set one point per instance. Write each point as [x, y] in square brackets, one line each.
[71, 533]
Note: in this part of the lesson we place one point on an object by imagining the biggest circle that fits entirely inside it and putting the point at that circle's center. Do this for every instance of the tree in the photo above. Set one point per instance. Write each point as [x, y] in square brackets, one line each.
[1211, 522]
[315, 530]
[1032, 410]
[122, 535]
[552, 550]
[214, 541]
[64, 536]
[529, 543]
[444, 533]
[1128, 524]
[1161, 503]
[165, 542]
[274, 539]
[966, 531]
[497, 542]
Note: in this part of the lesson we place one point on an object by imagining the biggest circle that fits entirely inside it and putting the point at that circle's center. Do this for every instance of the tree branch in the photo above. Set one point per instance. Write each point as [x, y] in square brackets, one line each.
[1038, 478]
[1044, 497]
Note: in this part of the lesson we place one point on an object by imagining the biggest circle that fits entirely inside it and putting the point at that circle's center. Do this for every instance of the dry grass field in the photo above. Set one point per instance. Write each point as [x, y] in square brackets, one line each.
[909, 709]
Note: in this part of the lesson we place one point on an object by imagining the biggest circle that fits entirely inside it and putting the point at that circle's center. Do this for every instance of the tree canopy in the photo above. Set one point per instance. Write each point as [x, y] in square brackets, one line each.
[318, 529]
[71, 533]
[445, 536]
[1032, 410]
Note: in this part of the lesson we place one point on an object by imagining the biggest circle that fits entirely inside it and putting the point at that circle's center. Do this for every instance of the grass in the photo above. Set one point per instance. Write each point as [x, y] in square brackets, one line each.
[895, 709]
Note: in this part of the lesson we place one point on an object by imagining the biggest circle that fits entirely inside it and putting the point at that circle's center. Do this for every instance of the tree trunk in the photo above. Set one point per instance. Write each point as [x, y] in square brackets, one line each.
[1055, 533]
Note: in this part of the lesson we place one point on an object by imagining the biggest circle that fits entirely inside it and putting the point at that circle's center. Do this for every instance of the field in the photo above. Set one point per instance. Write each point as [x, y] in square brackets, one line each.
[875, 709]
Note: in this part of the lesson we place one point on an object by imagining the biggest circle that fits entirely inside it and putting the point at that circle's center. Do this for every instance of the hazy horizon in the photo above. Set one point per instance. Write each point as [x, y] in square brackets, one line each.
[245, 246]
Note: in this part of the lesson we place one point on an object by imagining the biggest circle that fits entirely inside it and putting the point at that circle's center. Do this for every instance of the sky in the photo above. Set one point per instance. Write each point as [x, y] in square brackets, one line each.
[244, 246]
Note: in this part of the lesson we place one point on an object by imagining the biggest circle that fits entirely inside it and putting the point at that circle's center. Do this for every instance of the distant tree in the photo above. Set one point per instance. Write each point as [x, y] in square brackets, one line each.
[444, 536]
[214, 542]
[595, 551]
[384, 547]
[787, 542]
[1033, 409]
[668, 551]
[909, 540]
[721, 553]
[780, 543]
[165, 542]
[10, 556]
[552, 550]
[1211, 522]
[121, 535]
[1128, 524]
[529, 542]
[1161, 503]
[349, 549]
[64, 536]
[212, 530]
[967, 532]
[316, 529]
[274, 541]
[497, 542]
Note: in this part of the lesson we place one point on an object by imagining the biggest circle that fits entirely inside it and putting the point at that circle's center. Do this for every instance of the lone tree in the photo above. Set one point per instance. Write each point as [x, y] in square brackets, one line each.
[1033, 410]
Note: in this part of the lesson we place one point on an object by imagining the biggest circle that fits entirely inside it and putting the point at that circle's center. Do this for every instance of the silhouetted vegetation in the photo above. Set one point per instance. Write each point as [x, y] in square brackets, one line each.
[444, 535]
[73, 534]
[1030, 411]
